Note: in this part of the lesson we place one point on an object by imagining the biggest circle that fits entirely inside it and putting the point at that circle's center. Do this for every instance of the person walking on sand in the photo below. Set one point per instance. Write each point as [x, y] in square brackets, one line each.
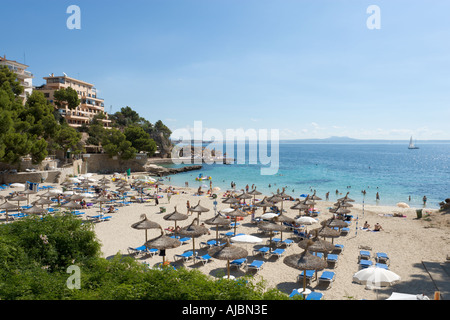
[188, 207]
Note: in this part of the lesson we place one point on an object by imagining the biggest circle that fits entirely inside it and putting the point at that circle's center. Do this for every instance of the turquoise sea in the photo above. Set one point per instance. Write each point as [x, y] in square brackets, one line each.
[391, 169]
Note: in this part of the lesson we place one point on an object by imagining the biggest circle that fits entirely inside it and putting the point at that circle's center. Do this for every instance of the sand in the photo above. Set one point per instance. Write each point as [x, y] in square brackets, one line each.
[407, 240]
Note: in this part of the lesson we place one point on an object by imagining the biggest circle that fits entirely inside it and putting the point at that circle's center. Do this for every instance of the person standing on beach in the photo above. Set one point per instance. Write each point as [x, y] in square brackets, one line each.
[327, 195]
[188, 207]
[424, 201]
[378, 196]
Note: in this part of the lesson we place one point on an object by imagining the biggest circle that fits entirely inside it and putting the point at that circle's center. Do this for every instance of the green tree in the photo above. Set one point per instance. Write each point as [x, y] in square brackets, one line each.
[140, 140]
[67, 138]
[25, 129]
[115, 143]
[66, 96]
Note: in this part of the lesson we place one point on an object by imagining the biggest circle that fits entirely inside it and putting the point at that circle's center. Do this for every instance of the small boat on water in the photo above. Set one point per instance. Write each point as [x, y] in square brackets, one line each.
[411, 144]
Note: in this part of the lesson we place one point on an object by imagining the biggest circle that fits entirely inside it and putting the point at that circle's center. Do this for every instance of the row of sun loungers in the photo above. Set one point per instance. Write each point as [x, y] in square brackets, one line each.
[381, 259]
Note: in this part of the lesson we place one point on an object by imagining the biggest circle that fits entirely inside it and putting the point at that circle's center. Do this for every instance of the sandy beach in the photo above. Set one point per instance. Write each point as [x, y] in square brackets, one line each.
[408, 241]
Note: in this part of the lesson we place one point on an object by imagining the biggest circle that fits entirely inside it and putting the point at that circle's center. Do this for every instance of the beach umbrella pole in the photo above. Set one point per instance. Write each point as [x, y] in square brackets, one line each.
[304, 280]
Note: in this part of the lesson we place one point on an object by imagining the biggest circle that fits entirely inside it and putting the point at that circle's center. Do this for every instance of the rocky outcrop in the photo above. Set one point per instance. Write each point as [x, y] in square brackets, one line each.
[156, 170]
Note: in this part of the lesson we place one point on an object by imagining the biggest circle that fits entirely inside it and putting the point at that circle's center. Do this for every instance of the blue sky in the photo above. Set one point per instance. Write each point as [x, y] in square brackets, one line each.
[310, 68]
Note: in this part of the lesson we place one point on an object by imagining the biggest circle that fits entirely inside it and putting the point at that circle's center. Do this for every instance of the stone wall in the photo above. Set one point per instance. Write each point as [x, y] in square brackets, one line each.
[102, 163]
[47, 164]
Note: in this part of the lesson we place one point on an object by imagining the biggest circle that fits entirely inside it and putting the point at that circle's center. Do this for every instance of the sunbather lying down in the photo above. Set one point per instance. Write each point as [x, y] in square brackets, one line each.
[395, 214]
[377, 227]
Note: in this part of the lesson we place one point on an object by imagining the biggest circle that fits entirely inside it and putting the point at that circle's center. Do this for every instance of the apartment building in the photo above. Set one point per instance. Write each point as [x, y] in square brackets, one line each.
[25, 77]
[90, 103]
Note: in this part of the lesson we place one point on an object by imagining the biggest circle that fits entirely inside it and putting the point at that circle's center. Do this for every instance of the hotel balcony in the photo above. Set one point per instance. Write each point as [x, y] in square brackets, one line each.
[78, 116]
[23, 74]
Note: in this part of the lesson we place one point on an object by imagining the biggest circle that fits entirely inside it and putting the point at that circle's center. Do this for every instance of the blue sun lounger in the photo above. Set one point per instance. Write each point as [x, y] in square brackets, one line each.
[381, 265]
[256, 265]
[138, 250]
[287, 242]
[204, 258]
[333, 258]
[314, 296]
[211, 243]
[184, 256]
[185, 240]
[382, 257]
[277, 252]
[338, 248]
[238, 262]
[309, 275]
[263, 251]
[363, 254]
[327, 277]
[365, 264]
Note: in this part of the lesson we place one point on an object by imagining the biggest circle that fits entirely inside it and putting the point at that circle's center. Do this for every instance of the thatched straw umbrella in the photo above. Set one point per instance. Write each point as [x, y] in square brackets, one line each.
[162, 243]
[283, 197]
[175, 216]
[122, 190]
[314, 197]
[199, 209]
[76, 197]
[343, 204]
[228, 252]
[244, 196]
[28, 192]
[264, 203]
[193, 231]
[274, 199]
[339, 210]
[317, 245]
[47, 194]
[43, 201]
[18, 199]
[334, 223]
[346, 198]
[230, 201]
[282, 218]
[271, 227]
[218, 220]
[101, 199]
[236, 213]
[254, 193]
[145, 224]
[310, 203]
[35, 210]
[300, 206]
[8, 206]
[71, 205]
[327, 232]
[104, 179]
[305, 261]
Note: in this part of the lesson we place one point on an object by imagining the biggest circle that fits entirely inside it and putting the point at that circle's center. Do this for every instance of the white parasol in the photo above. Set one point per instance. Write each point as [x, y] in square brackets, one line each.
[306, 220]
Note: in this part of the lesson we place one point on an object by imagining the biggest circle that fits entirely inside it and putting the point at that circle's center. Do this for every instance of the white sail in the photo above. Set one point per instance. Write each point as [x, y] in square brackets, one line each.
[411, 144]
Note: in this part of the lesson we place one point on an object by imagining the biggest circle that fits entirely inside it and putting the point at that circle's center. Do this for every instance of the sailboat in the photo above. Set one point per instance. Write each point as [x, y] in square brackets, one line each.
[411, 144]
